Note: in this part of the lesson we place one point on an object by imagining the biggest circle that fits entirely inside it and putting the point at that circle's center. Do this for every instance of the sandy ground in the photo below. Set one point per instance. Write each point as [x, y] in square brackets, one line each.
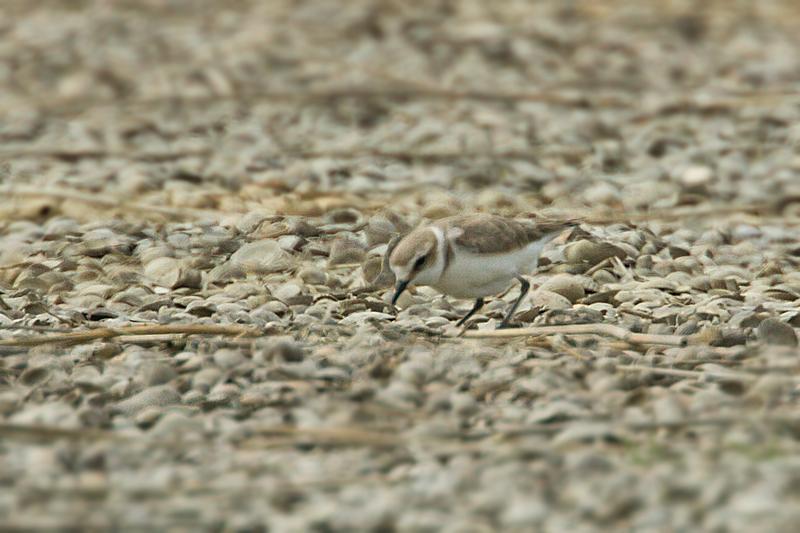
[196, 199]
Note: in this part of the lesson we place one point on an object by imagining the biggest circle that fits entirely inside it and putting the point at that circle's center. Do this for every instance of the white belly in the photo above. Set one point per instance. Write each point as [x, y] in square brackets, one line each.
[476, 276]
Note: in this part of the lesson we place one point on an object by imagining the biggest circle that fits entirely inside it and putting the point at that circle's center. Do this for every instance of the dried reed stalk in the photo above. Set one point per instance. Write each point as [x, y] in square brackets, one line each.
[107, 201]
[609, 330]
[78, 337]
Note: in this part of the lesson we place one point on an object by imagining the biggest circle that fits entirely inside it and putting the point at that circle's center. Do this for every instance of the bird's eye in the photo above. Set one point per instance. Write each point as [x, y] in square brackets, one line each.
[418, 263]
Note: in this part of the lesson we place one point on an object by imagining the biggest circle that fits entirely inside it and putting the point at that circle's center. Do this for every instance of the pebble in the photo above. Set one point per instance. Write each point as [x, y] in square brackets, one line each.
[568, 286]
[34, 375]
[550, 300]
[313, 276]
[175, 424]
[291, 243]
[591, 253]
[157, 396]
[365, 317]
[227, 358]
[773, 331]
[53, 414]
[158, 374]
[168, 272]
[283, 349]
[249, 222]
[383, 226]
[287, 292]
[205, 378]
[602, 193]
[372, 268]
[697, 176]
[9, 401]
[147, 417]
[222, 394]
[346, 251]
[262, 257]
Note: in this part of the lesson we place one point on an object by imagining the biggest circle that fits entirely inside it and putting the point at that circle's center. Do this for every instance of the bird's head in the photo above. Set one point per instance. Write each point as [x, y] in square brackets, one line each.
[415, 260]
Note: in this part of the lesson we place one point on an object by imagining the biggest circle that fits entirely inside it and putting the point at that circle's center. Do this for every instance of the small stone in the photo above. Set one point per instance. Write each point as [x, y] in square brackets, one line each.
[550, 300]
[312, 276]
[255, 397]
[696, 176]
[222, 394]
[591, 253]
[175, 423]
[372, 268]
[365, 317]
[668, 409]
[9, 400]
[226, 272]
[150, 397]
[602, 193]
[227, 358]
[262, 257]
[648, 193]
[59, 227]
[303, 228]
[383, 226]
[285, 350]
[770, 388]
[274, 306]
[346, 251]
[147, 417]
[158, 374]
[249, 222]
[745, 232]
[57, 414]
[583, 432]
[773, 331]
[344, 215]
[437, 322]
[206, 378]
[690, 327]
[644, 262]
[33, 375]
[436, 211]
[168, 272]
[603, 277]
[287, 292]
[568, 286]
[291, 243]
[463, 404]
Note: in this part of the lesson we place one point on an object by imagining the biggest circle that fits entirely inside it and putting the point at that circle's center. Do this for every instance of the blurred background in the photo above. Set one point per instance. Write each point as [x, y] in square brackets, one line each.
[225, 105]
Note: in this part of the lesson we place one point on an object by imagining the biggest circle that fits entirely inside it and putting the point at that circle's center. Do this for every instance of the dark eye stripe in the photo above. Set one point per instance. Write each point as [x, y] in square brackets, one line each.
[419, 262]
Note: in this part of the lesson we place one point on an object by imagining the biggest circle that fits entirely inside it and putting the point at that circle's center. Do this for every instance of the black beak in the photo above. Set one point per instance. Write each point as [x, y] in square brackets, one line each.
[398, 290]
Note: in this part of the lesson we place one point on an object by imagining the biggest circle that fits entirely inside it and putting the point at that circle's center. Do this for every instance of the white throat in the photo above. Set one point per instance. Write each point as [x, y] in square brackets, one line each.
[441, 249]
[431, 275]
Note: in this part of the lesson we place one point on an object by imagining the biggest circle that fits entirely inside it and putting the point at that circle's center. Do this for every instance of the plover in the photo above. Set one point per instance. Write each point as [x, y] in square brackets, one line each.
[472, 256]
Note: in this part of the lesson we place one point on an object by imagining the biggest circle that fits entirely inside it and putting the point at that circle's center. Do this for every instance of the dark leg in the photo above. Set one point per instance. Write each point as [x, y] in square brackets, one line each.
[478, 305]
[524, 288]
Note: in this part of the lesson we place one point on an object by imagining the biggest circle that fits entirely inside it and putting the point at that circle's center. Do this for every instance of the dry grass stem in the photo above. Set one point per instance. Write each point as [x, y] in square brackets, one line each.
[609, 330]
[78, 337]
[182, 213]
[695, 374]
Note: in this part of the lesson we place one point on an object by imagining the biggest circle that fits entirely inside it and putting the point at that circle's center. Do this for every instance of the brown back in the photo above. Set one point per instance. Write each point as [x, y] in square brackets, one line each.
[491, 234]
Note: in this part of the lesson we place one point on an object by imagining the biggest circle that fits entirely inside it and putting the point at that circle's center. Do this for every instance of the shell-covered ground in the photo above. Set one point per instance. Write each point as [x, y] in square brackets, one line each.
[235, 171]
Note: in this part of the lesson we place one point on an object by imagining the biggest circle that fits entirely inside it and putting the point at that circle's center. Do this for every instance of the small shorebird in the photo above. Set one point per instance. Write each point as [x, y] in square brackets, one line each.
[472, 256]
